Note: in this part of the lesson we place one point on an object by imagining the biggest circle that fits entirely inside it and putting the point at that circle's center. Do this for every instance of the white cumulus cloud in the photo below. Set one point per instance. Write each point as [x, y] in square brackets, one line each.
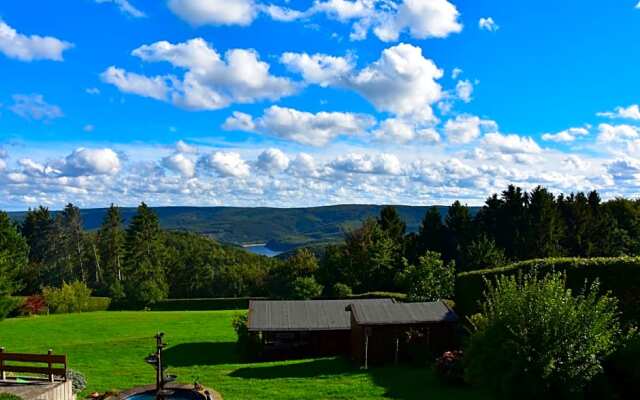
[28, 48]
[510, 144]
[303, 127]
[84, 161]
[272, 161]
[211, 81]
[631, 112]
[616, 133]
[180, 164]
[488, 24]
[380, 164]
[215, 12]
[226, 164]
[320, 69]
[567, 135]
[464, 90]
[465, 128]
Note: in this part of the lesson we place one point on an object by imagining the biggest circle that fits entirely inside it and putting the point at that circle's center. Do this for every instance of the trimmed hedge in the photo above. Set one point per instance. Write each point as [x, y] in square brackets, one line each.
[239, 303]
[619, 275]
[380, 295]
[98, 304]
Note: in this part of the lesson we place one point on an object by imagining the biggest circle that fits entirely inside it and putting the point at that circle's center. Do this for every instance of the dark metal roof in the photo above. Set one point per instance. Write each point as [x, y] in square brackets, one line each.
[402, 313]
[304, 315]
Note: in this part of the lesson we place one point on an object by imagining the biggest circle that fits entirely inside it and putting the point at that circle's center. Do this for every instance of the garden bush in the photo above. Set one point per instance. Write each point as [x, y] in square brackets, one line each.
[9, 396]
[619, 275]
[8, 305]
[34, 305]
[341, 291]
[248, 344]
[78, 380]
[536, 339]
[71, 297]
[450, 367]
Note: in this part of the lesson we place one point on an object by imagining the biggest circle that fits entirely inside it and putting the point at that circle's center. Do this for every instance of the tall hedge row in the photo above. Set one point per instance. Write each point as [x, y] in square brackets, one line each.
[205, 304]
[619, 275]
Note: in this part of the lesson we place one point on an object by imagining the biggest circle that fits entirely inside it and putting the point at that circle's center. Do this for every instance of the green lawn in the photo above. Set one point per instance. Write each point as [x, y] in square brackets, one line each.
[109, 348]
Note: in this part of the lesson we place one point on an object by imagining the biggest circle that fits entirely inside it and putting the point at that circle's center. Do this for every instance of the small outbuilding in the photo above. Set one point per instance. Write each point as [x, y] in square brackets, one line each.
[391, 332]
[367, 330]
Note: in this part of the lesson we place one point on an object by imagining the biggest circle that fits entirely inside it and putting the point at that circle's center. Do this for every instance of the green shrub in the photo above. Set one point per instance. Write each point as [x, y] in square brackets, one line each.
[248, 343]
[341, 291]
[98, 304]
[620, 275]
[305, 288]
[78, 380]
[69, 298]
[8, 305]
[9, 396]
[231, 303]
[535, 339]
[430, 280]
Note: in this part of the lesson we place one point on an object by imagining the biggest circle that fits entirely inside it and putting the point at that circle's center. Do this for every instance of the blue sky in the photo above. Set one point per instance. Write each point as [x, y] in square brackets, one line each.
[299, 103]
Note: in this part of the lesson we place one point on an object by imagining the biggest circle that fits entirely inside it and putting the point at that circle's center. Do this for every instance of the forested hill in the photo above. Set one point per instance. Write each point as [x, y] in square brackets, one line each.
[282, 228]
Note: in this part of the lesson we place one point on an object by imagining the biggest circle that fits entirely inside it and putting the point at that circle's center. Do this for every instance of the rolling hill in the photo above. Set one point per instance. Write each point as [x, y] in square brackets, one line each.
[280, 228]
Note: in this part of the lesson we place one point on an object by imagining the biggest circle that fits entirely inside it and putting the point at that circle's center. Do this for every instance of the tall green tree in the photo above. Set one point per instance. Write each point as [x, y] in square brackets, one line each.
[432, 233]
[111, 240]
[145, 277]
[36, 229]
[390, 222]
[545, 227]
[74, 241]
[13, 261]
[459, 231]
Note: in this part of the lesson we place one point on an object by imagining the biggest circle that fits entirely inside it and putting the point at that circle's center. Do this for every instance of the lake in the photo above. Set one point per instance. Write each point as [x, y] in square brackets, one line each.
[263, 250]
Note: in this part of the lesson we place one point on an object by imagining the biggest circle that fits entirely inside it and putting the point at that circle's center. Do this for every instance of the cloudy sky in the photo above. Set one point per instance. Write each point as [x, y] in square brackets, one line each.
[315, 102]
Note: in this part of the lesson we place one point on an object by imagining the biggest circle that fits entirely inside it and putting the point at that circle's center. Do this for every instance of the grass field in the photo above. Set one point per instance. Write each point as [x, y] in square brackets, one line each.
[109, 348]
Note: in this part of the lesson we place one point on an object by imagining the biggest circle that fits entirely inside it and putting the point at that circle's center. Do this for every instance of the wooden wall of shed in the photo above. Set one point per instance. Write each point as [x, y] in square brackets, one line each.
[438, 337]
[301, 344]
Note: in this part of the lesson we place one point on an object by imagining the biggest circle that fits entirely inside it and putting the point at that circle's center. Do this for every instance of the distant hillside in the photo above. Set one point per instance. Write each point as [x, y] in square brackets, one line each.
[281, 228]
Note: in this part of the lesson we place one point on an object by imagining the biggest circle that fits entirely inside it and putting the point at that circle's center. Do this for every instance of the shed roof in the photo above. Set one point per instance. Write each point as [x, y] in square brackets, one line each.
[402, 313]
[304, 315]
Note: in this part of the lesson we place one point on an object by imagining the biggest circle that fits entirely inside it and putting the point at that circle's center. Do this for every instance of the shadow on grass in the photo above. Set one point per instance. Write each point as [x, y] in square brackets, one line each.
[203, 353]
[305, 369]
[401, 382]
[418, 383]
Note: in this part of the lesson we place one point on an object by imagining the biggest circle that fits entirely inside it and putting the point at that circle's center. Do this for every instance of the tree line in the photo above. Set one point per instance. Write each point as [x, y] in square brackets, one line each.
[511, 226]
[140, 263]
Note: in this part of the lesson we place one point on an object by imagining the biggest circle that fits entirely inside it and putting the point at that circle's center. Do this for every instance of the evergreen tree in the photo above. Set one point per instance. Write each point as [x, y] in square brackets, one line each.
[459, 231]
[74, 242]
[431, 235]
[13, 260]
[544, 224]
[390, 222]
[36, 229]
[145, 254]
[482, 253]
[110, 252]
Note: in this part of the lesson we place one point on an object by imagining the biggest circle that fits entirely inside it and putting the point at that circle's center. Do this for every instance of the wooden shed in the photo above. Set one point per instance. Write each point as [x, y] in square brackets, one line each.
[395, 331]
[304, 328]
[368, 330]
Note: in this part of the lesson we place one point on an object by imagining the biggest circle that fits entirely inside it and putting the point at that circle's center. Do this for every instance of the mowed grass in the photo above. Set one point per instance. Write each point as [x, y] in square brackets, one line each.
[109, 348]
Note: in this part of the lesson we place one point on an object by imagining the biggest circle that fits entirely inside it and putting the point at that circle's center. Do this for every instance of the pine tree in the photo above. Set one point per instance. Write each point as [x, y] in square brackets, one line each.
[431, 235]
[545, 226]
[13, 259]
[146, 282]
[459, 231]
[111, 251]
[36, 228]
[390, 222]
[73, 232]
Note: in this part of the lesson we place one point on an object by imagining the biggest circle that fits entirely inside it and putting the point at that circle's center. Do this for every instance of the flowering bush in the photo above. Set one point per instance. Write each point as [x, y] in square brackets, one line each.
[34, 305]
[450, 368]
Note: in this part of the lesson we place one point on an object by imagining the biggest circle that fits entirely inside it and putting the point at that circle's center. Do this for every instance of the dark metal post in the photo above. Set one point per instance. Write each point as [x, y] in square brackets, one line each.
[50, 353]
[3, 374]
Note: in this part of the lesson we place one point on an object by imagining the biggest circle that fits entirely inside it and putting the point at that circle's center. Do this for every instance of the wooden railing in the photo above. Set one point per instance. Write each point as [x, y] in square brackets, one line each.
[56, 364]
